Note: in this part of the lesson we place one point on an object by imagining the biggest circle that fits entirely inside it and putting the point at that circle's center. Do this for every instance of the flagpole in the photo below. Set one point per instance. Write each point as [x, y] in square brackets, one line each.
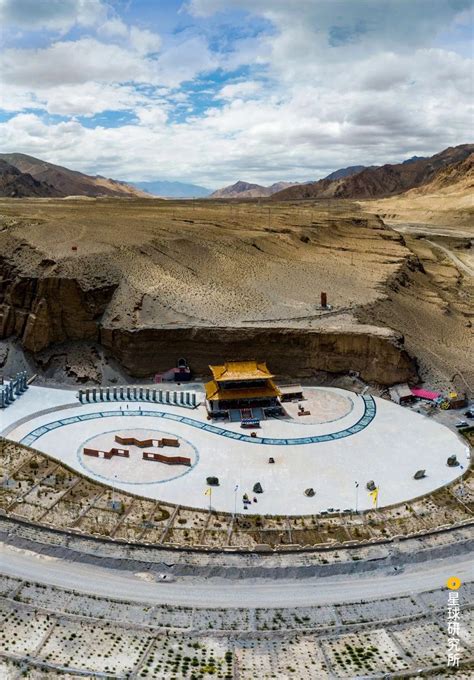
[210, 496]
[357, 495]
[235, 500]
[375, 497]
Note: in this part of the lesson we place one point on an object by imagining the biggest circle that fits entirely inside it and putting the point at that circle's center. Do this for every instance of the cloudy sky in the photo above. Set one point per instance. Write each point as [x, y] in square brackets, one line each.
[211, 91]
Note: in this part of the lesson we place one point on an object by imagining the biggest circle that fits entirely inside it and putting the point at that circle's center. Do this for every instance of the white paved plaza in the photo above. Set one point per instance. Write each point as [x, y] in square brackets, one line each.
[349, 439]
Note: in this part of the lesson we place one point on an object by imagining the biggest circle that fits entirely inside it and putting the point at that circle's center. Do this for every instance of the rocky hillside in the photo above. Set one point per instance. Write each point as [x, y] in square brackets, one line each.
[54, 180]
[456, 177]
[386, 180]
[17, 184]
[447, 201]
[246, 190]
[140, 278]
[346, 172]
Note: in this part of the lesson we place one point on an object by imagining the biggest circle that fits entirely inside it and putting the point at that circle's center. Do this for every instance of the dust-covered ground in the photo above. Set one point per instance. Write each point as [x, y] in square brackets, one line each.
[201, 263]
[198, 264]
[434, 310]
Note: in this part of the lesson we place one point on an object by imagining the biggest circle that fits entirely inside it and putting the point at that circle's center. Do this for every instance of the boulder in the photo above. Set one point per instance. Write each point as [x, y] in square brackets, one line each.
[371, 485]
[419, 474]
[257, 488]
[212, 481]
[309, 492]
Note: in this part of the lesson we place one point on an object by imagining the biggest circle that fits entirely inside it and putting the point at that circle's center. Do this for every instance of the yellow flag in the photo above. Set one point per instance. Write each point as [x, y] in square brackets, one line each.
[208, 492]
[374, 495]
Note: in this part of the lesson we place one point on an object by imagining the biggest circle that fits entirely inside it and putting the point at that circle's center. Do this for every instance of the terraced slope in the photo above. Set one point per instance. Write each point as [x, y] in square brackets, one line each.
[153, 280]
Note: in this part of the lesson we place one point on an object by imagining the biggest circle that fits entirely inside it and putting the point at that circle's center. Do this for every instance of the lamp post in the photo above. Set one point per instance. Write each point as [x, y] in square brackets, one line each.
[357, 496]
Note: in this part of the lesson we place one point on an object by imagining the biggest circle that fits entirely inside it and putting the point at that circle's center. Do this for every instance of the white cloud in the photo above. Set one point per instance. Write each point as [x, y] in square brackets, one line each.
[243, 90]
[312, 34]
[183, 61]
[16, 98]
[301, 133]
[46, 76]
[143, 41]
[152, 116]
[56, 15]
[82, 99]
[72, 62]
[333, 84]
[113, 28]
[88, 99]
[140, 39]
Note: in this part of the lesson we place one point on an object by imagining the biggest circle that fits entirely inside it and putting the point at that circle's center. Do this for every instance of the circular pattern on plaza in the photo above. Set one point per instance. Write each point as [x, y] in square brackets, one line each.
[360, 438]
[131, 462]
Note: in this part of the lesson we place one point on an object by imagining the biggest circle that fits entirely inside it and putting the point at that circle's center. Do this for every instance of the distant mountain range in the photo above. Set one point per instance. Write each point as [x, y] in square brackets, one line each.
[166, 189]
[382, 181]
[23, 176]
[246, 190]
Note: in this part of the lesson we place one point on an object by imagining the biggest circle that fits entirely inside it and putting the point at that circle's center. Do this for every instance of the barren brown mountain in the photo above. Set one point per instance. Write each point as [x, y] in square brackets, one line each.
[446, 202]
[459, 175]
[386, 180]
[246, 190]
[17, 184]
[54, 180]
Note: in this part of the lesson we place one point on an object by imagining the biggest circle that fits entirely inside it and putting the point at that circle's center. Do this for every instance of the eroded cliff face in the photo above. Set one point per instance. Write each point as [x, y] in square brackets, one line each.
[42, 311]
[150, 285]
[377, 354]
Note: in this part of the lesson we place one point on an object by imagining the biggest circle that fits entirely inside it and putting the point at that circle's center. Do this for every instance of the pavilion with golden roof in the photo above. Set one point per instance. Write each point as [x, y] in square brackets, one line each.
[241, 385]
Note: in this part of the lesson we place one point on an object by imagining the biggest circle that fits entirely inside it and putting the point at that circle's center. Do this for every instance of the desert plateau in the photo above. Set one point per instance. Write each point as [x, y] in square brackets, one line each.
[147, 280]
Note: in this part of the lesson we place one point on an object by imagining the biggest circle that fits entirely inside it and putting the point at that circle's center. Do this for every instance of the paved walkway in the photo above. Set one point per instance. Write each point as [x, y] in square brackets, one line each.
[377, 440]
[367, 417]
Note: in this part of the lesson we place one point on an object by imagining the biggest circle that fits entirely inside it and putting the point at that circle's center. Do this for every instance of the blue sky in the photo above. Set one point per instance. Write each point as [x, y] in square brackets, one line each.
[212, 91]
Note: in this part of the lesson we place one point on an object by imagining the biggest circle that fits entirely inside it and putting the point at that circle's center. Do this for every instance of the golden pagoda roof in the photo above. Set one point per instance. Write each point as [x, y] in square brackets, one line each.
[216, 393]
[241, 370]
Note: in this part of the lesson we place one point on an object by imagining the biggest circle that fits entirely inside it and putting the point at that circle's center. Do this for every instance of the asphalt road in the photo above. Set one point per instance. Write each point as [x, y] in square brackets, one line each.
[219, 592]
